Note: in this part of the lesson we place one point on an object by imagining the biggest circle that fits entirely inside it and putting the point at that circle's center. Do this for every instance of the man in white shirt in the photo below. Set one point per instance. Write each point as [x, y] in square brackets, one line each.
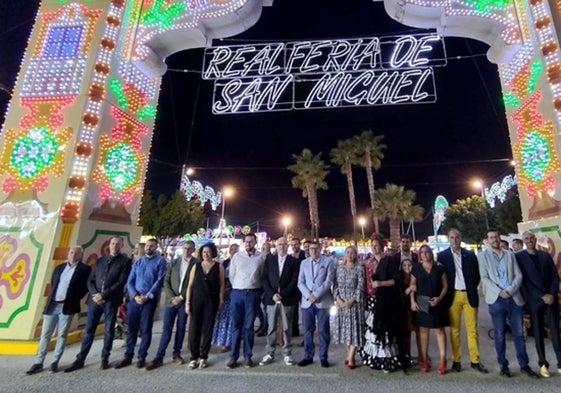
[246, 269]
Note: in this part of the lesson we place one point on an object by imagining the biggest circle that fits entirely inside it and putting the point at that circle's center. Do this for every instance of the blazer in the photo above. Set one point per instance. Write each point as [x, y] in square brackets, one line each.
[490, 276]
[538, 280]
[172, 278]
[77, 288]
[108, 277]
[317, 280]
[470, 270]
[284, 283]
[397, 258]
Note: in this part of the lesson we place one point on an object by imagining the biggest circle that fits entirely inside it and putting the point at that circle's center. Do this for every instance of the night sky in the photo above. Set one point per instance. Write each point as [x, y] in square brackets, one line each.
[432, 148]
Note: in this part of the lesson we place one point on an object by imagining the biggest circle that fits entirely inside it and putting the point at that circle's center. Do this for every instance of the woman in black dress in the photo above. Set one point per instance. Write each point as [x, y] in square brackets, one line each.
[205, 295]
[429, 280]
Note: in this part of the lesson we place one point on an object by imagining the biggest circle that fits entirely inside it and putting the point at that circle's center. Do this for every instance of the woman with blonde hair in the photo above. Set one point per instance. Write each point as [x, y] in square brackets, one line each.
[349, 295]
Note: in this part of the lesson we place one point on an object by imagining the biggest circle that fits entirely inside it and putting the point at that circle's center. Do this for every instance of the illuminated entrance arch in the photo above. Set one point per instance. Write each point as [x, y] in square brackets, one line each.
[76, 140]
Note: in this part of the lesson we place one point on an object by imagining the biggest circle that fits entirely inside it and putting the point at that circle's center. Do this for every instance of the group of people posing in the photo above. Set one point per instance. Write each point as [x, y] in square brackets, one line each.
[380, 302]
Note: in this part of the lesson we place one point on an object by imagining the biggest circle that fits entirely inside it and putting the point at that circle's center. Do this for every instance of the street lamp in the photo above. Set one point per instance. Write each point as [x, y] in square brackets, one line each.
[226, 193]
[362, 222]
[286, 221]
[479, 184]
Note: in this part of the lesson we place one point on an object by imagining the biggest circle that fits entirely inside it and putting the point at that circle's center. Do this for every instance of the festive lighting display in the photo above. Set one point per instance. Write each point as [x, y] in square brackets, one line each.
[195, 189]
[440, 206]
[163, 14]
[499, 190]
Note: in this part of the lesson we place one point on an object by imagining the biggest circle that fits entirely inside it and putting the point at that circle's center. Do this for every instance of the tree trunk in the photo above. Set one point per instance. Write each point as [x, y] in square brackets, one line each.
[394, 232]
[313, 206]
[352, 199]
[371, 190]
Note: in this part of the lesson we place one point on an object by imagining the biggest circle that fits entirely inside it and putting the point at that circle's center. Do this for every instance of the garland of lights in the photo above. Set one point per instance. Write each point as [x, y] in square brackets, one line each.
[499, 190]
[195, 189]
[162, 14]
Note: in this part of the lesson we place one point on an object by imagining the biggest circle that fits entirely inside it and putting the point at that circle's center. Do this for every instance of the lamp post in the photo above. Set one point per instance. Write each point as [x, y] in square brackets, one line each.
[226, 192]
[286, 221]
[479, 184]
[362, 223]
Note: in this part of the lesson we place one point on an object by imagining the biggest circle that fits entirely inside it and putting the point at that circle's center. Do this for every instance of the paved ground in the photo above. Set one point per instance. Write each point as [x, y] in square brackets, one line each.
[276, 377]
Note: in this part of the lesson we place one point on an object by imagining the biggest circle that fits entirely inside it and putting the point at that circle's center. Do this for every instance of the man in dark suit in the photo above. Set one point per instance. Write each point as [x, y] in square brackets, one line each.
[68, 286]
[106, 286]
[280, 285]
[540, 287]
[175, 288]
[299, 255]
[462, 271]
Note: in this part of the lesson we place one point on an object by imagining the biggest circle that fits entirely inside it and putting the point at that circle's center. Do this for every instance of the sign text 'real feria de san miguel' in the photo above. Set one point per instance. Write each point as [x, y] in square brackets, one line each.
[324, 74]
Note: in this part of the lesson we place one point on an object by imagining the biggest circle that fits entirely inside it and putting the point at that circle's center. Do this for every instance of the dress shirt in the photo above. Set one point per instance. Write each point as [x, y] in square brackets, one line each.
[183, 270]
[501, 268]
[459, 283]
[64, 282]
[147, 276]
[246, 270]
[281, 264]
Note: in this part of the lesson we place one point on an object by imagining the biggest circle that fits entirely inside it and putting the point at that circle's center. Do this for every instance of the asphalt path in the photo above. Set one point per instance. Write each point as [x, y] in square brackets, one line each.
[277, 377]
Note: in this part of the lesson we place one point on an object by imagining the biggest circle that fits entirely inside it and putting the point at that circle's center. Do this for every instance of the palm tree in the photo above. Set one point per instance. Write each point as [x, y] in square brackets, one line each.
[346, 155]
[371, 159]
[414, 213]
[395, 203]
[310, 176]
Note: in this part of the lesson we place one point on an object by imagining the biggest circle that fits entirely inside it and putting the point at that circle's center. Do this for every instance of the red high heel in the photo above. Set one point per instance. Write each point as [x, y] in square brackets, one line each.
[425, 366]
[442, 368]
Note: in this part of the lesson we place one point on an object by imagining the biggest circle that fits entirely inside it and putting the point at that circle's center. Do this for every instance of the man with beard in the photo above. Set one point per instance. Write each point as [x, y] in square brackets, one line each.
[246, 269]
[501, 278]
[143, 286]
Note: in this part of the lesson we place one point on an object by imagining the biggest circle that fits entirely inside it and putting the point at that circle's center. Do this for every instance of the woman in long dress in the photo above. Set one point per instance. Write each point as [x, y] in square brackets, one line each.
[382, 349]
[223, 324]
[429, 279]
[349, 295]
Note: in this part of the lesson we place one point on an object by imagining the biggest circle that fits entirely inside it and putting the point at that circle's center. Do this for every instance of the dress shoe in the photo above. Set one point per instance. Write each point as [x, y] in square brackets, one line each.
[529, 372]
[324, 363]
[248, 363]
[225, 349]
[232, 363]
[177, 359]
[305, 362]
[157, 362]
[127, 361]
[37, 367]
[75, 366]
[457, 366]
[479, 367]
[53, 368]
[505, 372]
[141, 363]
[104, 364]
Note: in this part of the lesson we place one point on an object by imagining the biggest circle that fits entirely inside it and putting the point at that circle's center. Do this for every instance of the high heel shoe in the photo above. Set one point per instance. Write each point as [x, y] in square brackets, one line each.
[442, 368]
[425, 366]
[346, 362]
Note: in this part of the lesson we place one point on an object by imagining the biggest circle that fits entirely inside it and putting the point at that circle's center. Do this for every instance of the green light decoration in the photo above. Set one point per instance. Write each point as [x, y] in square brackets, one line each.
[119, 91]
[163, 15]
[121, 166]
[485, 6]
[511, 100]
[535, 72]
[68, 1]
[34, 153]
[536, 156]
[147, 112]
